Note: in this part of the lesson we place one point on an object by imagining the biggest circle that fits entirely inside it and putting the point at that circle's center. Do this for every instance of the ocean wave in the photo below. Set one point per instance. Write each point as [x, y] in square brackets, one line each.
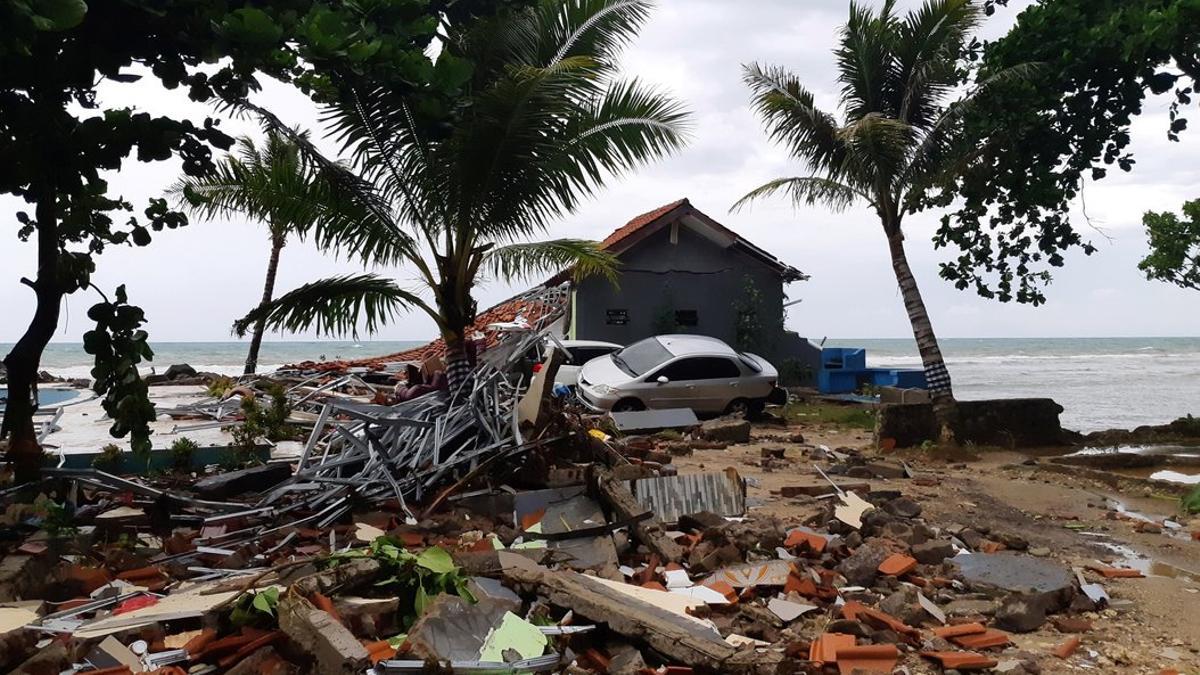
[232, 370]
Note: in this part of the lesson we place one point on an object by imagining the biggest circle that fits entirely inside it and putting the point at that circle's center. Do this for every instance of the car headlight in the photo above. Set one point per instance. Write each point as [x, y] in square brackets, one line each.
[604, 390]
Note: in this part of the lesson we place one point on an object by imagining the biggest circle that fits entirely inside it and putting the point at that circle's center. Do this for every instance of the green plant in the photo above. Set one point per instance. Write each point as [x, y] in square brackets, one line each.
[1191, 501]
[416, 578]
[856, 417]
[1174, 246]
[220, 386]
[755, 331]
[545, 120]
[255, 609]
[109, 458]
[57, 519]
[897, 138]
[183, 451]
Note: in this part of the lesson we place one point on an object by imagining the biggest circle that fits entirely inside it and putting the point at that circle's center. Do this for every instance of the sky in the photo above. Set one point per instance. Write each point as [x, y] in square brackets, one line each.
[195, 281]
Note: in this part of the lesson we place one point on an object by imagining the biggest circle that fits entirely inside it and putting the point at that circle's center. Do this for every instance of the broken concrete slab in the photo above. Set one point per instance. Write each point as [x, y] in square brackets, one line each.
[331, 645]
[726, 429]
[654, 420]
[452, 629]
[1013, 572]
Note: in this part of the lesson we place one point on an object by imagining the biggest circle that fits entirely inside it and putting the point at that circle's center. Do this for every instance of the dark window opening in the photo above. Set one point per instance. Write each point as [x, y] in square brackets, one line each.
[687, 317]
[617, 317]
[699, 368]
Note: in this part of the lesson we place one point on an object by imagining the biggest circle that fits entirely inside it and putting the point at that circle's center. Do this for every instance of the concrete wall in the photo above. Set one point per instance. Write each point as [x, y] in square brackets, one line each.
[1010, 423]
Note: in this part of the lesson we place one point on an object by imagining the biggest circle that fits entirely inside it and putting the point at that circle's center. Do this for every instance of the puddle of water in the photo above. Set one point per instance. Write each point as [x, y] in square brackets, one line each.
[1148, 566]
[1173, 450]
[1176, 477]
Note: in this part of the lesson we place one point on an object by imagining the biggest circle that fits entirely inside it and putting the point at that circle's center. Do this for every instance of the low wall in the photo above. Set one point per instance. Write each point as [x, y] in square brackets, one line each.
[1009, 422]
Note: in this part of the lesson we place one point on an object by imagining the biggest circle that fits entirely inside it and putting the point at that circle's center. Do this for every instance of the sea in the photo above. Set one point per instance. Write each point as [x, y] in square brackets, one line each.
[1101, 383]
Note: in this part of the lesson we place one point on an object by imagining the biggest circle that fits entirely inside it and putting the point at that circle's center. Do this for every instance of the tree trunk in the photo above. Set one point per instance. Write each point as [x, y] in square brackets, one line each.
[945, 408]
[278, 239]
[23, 362]
[459, 373]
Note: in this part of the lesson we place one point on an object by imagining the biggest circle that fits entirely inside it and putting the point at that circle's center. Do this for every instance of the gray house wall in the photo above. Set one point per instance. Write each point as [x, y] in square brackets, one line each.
[658, 276]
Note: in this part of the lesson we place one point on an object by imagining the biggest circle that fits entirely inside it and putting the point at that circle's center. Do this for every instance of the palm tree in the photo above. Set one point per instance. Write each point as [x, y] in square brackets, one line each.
[543, 121]
[897, 139]
[270, 184]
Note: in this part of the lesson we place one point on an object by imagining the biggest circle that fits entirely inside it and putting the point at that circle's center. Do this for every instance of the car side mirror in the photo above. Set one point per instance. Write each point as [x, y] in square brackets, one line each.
[662, 379]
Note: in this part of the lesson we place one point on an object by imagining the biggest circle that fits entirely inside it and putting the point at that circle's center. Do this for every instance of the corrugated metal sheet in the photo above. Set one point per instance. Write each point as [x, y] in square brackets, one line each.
[670, 497]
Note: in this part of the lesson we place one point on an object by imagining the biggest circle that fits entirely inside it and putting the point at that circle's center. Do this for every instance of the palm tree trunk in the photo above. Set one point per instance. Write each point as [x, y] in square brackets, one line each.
[459, 374]
[945, 408]
[278, 238]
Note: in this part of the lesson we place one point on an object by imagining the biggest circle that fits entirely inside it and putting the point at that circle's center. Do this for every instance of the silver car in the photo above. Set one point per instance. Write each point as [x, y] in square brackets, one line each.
[677, 371]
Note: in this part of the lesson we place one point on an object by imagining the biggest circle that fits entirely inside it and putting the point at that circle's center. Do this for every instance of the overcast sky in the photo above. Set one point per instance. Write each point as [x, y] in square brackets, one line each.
[194, 282]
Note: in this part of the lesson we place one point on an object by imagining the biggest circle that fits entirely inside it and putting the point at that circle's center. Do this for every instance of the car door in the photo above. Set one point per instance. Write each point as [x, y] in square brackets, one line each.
[679, 391]
[718, 381]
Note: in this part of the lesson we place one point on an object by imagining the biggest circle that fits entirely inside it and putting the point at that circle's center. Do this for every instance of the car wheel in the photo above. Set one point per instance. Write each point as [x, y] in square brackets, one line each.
[628, 405]
[738, 406]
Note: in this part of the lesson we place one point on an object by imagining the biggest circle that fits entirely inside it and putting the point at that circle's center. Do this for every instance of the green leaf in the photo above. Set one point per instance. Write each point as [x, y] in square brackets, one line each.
[250, 25]
[451, 71]
[421, 601]
[437, 560]
[51, 15]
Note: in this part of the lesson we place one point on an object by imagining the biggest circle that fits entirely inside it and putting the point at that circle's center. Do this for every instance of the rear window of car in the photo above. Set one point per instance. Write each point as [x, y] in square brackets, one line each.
[581, 355]
[750, 363]
[641, 357]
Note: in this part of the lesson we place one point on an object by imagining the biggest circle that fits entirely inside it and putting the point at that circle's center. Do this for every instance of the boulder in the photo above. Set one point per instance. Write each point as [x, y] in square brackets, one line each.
[1025, 612]
[179, 370]
[903, 507]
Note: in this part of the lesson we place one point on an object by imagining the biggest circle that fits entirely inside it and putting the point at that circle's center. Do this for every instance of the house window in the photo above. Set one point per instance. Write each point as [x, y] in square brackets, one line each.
[617, 317]
[686, 317]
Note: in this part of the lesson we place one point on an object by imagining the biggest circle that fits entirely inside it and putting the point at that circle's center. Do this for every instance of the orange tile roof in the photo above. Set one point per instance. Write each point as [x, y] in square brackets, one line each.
[501, 313]
[639, 222]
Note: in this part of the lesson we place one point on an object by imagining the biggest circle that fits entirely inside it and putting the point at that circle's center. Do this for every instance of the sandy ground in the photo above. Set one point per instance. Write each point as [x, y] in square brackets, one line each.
[1155, 623]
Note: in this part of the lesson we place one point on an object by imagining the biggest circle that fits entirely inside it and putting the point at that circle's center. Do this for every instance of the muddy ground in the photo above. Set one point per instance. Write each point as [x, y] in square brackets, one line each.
[1152, 625]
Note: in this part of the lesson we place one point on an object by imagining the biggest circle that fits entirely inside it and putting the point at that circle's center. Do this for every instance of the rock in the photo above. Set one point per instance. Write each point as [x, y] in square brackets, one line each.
[625, 660]
[1025, 612]
[861, 568]
[1040, 551]
[727, 429]
[179, 370]
[701, 520]
[933, 552]
[903, 507]
[1010, 540]
[904, 605]
[796, 437]
[253, 479]
[972, 538]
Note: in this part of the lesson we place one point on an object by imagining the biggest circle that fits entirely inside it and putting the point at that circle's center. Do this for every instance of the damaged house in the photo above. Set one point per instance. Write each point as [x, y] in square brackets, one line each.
[683, 272]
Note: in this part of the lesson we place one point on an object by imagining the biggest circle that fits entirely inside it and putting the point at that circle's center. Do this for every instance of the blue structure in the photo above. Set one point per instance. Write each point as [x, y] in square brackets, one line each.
[844, 371]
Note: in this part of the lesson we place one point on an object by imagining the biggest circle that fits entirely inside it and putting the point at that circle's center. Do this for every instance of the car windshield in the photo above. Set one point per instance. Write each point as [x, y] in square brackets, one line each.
[640, 357]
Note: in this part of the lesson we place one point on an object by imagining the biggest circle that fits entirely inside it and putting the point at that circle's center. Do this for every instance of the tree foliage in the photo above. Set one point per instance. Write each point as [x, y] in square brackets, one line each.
[58, 140]
[1174, 246]
[1043, 137]
[544, 120]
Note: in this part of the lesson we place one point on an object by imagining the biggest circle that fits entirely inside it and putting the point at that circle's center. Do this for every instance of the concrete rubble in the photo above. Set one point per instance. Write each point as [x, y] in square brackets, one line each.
[486, 531]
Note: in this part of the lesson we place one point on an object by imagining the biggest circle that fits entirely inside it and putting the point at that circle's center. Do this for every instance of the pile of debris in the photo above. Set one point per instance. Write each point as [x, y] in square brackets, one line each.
[500, 530]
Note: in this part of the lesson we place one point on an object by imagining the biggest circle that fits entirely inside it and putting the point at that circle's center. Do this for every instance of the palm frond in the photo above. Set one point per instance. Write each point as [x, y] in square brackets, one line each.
[930, 42]
[806, 191]
[598, 28]
[791, 116]
[335, 306]
[517, 262]
[864, 59]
